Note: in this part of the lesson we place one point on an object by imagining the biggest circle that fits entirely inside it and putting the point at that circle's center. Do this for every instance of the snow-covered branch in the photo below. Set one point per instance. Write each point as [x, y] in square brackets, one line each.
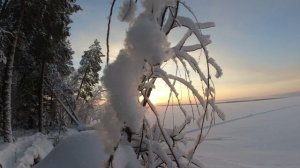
[138, 66]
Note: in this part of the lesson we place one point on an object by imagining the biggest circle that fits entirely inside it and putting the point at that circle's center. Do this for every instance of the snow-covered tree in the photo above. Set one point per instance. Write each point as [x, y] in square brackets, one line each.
[86, 83]
[90, 111]
[49, 44]
[88, 72]
[8, 77]
[131, 78]
[36, 40]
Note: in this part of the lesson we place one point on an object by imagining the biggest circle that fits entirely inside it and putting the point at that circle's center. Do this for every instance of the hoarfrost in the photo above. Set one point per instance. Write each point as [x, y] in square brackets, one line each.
[219, 71]
[154, 7]
[127, 11]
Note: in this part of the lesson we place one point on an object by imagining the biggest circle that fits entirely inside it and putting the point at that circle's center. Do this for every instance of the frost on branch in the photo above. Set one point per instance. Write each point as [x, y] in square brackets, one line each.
[127, 11]
[133, 76]
[219, 71]
[156, 7]
[145, 41]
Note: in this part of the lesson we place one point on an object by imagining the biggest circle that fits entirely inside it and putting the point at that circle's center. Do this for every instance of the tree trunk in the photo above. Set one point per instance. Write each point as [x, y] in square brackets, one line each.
[41, 96]
[8, 75]
[82, 83]
[3, 7]
[6, 97]
[73, 118]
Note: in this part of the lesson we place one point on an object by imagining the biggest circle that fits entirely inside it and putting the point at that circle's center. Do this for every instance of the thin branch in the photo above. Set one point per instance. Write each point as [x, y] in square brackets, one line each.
[140, 146]
[174, 16]
[153, 109]
[206, 105]
[127, 12]
[63, 105]
[108, 31]
[189, 9]
[81, 83]
[162, 19]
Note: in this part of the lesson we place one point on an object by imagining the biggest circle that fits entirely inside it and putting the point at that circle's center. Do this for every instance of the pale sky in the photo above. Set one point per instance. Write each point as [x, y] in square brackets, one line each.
[256, 42]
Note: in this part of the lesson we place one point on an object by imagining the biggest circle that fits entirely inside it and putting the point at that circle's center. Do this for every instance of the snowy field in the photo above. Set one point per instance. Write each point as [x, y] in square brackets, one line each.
[259, 134]
[262, 134]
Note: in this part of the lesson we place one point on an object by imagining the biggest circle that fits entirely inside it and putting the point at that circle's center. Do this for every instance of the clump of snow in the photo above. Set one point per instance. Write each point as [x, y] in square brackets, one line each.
[156, 7]
[7, 155]
[25, 150]
[121, 80]
[219, 71]
[109, 129]
[127, 11]
[125, 156]
[123, 77]
[39, 149]
[152, 46]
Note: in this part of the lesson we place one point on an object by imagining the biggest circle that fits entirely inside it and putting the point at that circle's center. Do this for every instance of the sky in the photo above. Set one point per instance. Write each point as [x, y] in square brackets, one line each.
[256, 42]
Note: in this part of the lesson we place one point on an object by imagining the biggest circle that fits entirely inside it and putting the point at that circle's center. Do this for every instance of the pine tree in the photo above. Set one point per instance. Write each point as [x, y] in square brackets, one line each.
[8, 78]
[89, 70]
[49, 44]
[41, 41]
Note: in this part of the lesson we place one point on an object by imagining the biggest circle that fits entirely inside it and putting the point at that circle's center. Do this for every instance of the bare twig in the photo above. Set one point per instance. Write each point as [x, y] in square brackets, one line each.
[206, 104]
[127, 12]
[174, 16]
[140, 146]
[161, 128]
[108, 31]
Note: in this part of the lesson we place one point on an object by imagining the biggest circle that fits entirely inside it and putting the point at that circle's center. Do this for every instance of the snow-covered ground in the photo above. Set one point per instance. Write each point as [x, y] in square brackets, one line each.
[25, 151]
[82, 150]
[260, 134]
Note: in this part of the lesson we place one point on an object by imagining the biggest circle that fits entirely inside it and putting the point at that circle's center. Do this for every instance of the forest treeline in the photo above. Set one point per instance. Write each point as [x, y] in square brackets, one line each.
[40, 89]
